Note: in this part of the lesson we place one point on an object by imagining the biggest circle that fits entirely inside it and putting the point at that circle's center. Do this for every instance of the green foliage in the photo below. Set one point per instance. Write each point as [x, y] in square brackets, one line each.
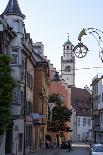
[7, 84]
[55, 98]
[60, 115]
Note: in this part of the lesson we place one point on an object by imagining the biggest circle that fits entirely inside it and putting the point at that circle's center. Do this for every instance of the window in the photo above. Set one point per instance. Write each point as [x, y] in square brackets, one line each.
[14, 56]
[20, 137]
[83, 134]
[84, 121]
[89, 121]
[15, 96]
[22, 97]
[17, 25]
[22, 75]
[28, 107]
[29, 80]
[78, 121]
[65, 47]
[101, 117]
[99, 98]
[87, 134]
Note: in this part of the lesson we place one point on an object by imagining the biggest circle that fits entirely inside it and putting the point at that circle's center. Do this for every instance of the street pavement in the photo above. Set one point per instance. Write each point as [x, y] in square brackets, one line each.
[78, 149]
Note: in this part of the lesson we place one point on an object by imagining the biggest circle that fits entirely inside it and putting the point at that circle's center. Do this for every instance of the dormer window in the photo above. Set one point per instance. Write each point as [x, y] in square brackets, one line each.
[17, 25]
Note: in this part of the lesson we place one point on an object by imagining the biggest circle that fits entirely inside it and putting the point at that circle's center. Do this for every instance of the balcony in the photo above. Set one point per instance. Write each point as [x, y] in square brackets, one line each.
[100, 106]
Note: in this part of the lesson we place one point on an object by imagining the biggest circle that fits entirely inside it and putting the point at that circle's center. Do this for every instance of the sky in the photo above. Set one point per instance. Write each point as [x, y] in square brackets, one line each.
[50, 21]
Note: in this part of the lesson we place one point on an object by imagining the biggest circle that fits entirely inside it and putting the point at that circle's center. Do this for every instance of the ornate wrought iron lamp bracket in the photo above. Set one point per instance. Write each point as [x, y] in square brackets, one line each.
[81, 50]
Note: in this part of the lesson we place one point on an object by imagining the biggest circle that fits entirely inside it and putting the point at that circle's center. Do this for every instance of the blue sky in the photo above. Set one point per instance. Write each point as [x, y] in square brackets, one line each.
[49, 21]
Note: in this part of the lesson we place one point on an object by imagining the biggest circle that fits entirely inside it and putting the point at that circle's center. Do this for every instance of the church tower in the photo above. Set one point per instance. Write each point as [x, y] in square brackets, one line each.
[68, 63]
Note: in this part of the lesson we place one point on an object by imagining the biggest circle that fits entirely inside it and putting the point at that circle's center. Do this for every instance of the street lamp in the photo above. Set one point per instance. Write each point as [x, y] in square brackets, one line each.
[81, 50]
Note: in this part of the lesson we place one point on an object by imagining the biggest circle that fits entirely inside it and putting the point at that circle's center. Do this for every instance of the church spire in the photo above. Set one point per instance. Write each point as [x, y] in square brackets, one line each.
[13, 9]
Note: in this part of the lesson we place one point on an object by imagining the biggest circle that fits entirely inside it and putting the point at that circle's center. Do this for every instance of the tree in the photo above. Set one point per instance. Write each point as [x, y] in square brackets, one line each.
[60, 115]
[7, 84]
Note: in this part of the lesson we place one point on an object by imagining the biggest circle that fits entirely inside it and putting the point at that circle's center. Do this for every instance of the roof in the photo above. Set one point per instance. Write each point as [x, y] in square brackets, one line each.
[13, 9]
[81, 101]
[68, 42]
[38, 57]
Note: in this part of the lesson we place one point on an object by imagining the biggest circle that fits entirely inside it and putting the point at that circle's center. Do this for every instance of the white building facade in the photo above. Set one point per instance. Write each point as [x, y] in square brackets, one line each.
[84, 128]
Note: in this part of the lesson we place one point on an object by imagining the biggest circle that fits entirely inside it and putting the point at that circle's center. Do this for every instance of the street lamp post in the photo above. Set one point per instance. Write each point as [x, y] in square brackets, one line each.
[81, 50]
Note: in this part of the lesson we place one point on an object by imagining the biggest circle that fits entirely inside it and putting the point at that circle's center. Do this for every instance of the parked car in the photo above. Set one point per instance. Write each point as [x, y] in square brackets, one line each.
[64, 145]
[96, 149]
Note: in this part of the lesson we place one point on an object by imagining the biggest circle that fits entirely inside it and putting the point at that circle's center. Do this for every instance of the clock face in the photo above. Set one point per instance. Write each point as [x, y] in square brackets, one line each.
[68, 68]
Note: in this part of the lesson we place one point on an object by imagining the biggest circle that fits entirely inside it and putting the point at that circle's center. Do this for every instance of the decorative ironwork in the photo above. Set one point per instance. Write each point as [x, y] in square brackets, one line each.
[80, 50]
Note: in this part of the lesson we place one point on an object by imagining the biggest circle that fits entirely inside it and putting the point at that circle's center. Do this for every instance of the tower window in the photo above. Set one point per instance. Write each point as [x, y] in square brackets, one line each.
[70, 47]
[67, 47]
[17, 25]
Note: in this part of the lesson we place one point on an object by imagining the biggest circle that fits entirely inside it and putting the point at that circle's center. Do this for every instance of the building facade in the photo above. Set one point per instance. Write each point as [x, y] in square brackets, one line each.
[6, 36]
[30, 98]
[59, 87]
[40, 106]
[97, 108]
[81, 101]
